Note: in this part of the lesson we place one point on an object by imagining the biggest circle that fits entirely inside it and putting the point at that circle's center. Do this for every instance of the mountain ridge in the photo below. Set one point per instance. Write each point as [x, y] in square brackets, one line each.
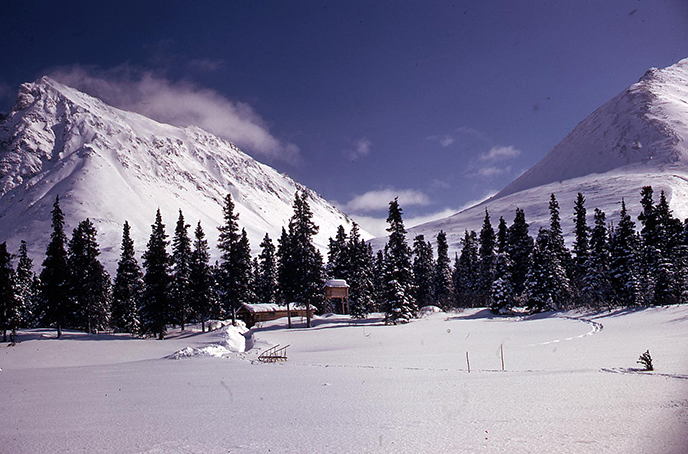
[638, 138]
[112, 165]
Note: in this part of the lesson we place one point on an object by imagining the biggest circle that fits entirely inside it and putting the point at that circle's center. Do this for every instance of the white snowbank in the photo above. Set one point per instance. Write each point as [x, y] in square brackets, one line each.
[231, 340]
[427, 310]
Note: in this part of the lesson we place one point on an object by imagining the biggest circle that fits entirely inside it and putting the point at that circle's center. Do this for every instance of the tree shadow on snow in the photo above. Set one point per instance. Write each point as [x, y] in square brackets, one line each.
[322, 322]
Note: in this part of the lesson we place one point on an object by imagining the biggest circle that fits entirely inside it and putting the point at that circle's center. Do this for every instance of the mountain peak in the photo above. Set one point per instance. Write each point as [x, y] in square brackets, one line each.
[111, 165]
[638, 138]
[645, 125]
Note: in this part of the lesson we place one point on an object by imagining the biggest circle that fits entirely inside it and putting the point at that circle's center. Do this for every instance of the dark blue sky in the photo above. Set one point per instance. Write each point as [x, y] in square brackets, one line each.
[439, 102]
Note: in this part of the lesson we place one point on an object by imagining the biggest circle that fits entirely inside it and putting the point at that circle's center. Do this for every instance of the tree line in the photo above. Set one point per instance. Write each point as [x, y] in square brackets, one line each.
[501, 269]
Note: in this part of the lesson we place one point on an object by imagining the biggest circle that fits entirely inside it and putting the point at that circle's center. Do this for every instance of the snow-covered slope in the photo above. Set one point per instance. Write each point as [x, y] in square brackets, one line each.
[638, 138]
[110, 166]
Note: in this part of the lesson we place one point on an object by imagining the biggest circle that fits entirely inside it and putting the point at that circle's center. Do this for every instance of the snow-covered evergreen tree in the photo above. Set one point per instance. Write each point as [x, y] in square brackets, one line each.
[502, 291]
[243, 271]
[444, 287]
[201, 279]
[361, 277]
[423, 272]
[338, 260]
[596, 289]
[556, 237]
[465, 276]
[26, 289]
[624, 270]
[89, 282]
[400, 306]
[519, 248]
[286, 271]
[55, 300]
[230, 284]
[379, 279]
[305, 259]
[156, 305]
[181, 272]
[581, 243]
[266, 274]
[486, 259]
[547, 286]
[502, 235]
[10, 314]
[128, 287]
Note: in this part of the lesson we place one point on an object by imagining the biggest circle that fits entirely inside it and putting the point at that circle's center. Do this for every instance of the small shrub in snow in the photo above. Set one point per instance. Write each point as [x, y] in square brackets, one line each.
[646, 361]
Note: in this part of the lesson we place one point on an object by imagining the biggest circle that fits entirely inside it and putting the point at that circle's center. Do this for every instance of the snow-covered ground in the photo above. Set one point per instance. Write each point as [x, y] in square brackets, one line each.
[570, 386]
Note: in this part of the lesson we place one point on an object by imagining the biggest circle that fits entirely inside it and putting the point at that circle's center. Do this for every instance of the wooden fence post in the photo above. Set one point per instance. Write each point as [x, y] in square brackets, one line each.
[501, 348]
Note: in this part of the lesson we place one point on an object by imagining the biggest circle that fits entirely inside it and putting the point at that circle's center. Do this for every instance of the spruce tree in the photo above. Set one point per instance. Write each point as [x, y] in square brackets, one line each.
[379, 279]
[361, 277]
[127, 290]
[502, 235]
[243, 271]
[581, 246]
[444, 288]
[547, 286]
[338, 260]
[423, 270]
[25, 287]
[486, 257]
[229, 237]
[55, 299]
[556, 237]
[466, 272]
[596, 288]
[266, 275]
[519, 248]
[648, 217]
[201, 278]
[235, 262]
[10, 314]
[306, 260]
[181, 271]
[624, 269]
[156, 310]
[89, 282]
[399, 304]
[502, 292]
[286, 272]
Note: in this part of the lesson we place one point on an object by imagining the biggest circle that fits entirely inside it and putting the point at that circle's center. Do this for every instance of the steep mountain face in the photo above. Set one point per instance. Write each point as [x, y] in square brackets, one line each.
[645, 125]
[110, 166]
[638, 138]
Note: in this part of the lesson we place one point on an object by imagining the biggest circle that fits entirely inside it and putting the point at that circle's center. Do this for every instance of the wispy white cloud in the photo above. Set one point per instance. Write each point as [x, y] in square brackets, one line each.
[493, 171]
[362, 148]
[499, 154]
[468, 131]
[445, 139]
[379, 200]
[378, 225]
[180, 103]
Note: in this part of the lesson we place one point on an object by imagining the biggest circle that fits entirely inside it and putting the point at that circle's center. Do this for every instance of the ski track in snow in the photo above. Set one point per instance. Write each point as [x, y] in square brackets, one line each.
[596, 328]
[623, 370]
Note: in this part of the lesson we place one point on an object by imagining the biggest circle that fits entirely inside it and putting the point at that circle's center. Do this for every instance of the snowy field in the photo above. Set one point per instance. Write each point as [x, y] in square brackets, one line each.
[570, 385]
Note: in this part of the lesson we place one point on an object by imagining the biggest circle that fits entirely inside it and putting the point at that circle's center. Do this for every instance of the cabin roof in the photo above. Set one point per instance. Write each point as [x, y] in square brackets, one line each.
[336, 283]
[271, 307]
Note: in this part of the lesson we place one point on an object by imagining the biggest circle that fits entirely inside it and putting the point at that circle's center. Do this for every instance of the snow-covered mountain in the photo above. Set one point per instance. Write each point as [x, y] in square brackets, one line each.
[110, 166]
[638, 138]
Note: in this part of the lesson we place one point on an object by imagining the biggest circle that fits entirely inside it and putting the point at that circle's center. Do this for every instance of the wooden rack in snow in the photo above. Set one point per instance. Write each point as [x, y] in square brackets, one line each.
[274, 354]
